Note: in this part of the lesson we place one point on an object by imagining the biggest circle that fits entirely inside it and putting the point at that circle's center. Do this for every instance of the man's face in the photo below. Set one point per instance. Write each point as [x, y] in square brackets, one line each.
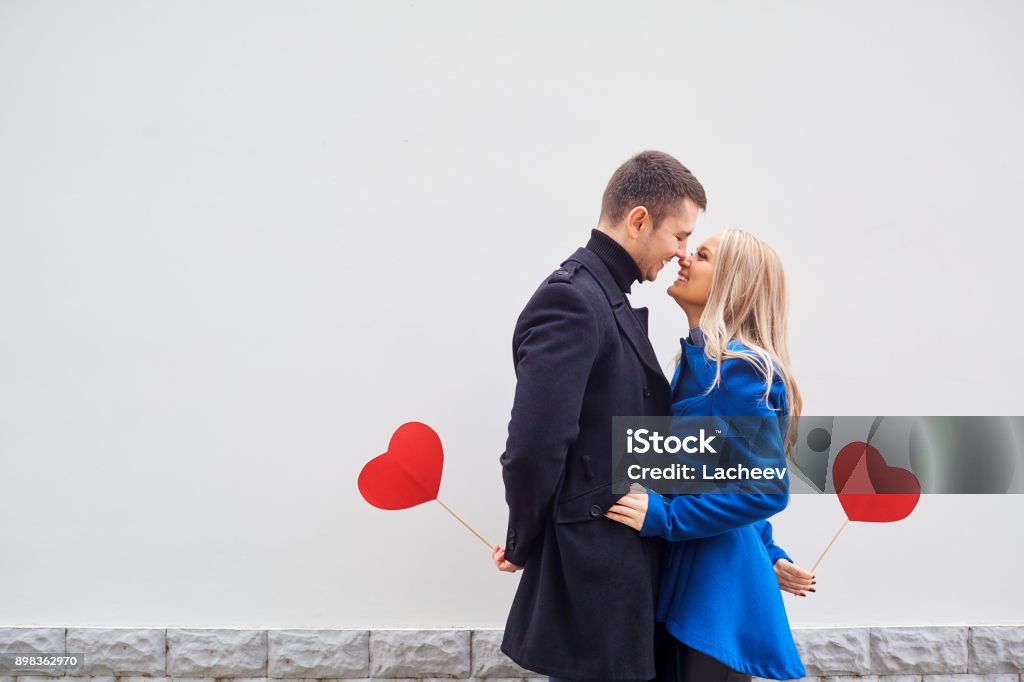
[658, 246]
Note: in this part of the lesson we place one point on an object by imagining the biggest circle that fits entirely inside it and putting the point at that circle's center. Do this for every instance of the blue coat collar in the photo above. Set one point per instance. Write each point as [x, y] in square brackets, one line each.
[702, 366]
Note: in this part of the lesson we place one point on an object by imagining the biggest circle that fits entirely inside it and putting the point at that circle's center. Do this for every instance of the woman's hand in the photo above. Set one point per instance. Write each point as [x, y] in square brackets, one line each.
[794, 579]
[630, 510]
[498, 555]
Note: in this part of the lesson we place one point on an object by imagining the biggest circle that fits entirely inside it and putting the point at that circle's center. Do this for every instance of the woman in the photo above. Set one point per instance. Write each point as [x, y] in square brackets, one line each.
[719, 600]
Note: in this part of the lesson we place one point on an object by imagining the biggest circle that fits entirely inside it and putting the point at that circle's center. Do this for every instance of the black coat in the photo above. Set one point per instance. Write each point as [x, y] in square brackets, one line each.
[585, 603]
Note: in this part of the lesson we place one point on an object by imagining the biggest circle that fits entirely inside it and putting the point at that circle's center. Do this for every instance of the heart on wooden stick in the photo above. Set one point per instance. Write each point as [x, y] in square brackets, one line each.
[869, 489]
[408, 473]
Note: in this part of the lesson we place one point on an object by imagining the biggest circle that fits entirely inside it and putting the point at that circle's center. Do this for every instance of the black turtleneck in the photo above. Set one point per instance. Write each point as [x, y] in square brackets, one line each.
[622, 266]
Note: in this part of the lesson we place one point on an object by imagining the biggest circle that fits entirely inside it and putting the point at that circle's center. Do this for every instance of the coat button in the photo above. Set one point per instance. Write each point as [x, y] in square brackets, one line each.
[595, 510]
[647, 392]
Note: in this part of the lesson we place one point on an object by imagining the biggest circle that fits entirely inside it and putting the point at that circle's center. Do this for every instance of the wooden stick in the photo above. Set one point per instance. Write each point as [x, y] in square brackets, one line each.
[829, 545]
[489, 545]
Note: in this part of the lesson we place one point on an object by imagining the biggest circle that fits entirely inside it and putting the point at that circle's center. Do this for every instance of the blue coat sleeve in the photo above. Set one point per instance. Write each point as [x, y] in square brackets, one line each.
[689, 517]
[764, 529]
[555, 345]
[692, 516]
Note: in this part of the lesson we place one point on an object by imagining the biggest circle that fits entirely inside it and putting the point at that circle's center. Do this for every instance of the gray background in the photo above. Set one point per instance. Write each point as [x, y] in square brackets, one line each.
[241, 242]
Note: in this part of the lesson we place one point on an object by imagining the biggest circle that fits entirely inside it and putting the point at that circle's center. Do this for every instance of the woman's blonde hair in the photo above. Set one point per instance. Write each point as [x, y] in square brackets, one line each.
[748, 303]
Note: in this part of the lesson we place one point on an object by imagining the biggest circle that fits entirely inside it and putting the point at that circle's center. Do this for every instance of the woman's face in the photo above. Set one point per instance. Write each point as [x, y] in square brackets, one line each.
[695, 274]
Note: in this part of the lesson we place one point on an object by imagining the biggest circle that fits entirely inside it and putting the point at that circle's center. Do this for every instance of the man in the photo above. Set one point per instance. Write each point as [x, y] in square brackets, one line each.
[584, 608]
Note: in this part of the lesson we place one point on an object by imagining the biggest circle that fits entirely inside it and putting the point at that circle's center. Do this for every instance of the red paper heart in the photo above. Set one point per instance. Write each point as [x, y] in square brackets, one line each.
[409, 473]
[871, 490]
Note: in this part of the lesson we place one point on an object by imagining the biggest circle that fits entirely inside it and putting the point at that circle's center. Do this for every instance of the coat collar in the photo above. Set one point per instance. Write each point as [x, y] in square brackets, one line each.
[701, 365]
[625, 315]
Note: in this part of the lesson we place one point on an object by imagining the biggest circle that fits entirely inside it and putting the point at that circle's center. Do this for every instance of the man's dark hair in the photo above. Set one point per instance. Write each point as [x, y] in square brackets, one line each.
[652, 179]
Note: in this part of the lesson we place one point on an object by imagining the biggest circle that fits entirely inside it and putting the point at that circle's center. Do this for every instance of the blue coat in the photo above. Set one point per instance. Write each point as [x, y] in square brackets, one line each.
[718, 591]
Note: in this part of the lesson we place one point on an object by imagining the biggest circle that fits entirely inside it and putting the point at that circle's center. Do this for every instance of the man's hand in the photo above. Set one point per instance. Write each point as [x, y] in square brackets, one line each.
[794, 579]
[498, 555]
[629, 510]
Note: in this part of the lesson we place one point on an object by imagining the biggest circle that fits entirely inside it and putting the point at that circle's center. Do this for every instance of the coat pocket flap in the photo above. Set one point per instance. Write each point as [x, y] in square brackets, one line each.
[586, 506]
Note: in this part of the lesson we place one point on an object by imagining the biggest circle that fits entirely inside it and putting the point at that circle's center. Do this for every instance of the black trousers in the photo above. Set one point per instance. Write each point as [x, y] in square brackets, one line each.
[676, 662]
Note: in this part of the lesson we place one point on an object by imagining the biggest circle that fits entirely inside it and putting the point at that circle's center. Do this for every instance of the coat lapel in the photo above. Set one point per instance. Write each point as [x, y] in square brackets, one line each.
[692, 359]
[624, 314]
[641, 313]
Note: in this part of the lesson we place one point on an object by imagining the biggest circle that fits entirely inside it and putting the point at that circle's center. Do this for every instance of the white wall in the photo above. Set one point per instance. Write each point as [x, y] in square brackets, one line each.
[241, 242]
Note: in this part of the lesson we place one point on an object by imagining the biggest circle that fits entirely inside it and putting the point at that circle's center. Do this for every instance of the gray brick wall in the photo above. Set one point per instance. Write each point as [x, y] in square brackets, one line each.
[884, 654]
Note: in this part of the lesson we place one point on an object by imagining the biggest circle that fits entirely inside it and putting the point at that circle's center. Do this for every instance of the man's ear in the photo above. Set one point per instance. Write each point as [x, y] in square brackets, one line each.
[635, 221]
